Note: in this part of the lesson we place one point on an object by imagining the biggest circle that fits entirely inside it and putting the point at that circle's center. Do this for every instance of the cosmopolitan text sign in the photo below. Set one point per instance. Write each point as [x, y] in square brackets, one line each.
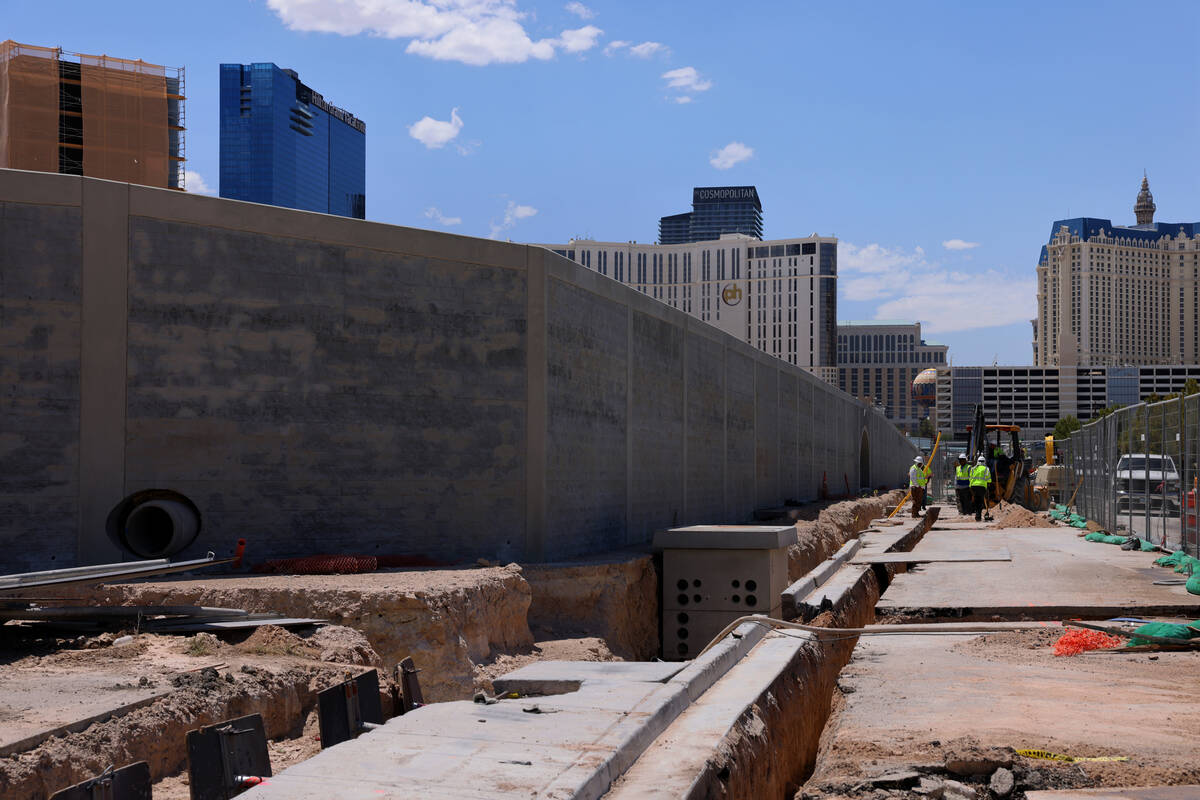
[724, 194]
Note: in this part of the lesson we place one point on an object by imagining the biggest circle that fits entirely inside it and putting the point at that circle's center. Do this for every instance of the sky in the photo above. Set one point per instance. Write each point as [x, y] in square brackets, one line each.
[938, 141]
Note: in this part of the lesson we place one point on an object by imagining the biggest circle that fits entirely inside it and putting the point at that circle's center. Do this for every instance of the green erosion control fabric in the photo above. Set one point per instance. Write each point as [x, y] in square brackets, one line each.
[1164, 630]
[1107, 538]
[1169, 561]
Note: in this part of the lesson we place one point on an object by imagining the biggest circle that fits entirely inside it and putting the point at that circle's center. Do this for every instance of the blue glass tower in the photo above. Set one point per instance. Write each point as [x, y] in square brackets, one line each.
[283, 145]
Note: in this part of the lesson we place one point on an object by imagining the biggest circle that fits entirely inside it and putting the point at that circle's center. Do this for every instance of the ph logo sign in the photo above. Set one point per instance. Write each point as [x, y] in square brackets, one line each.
[732, 294]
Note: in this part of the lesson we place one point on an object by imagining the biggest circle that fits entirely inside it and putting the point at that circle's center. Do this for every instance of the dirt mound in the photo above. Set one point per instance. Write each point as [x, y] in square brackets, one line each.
[1014, 516]
[273, 640]
[344, 645]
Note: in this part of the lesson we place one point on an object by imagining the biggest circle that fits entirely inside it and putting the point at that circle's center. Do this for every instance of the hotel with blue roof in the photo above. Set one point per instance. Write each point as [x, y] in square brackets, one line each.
[1119, 295]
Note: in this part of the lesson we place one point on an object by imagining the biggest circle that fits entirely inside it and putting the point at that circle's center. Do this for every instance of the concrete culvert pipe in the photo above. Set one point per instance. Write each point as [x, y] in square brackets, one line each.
[160, 527]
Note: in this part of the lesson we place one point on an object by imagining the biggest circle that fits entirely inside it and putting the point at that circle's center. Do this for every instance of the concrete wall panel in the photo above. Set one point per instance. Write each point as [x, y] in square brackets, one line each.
[319, 384]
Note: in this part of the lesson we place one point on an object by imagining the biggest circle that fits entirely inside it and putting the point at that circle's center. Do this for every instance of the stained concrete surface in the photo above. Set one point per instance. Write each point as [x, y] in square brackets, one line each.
[1053, 572]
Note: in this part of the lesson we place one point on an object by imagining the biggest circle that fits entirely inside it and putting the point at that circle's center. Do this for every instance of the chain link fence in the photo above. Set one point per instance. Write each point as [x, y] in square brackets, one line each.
[1134, 471]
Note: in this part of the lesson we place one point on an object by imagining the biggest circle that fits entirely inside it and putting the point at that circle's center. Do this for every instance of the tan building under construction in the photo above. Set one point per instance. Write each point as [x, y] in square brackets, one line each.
[98, 116]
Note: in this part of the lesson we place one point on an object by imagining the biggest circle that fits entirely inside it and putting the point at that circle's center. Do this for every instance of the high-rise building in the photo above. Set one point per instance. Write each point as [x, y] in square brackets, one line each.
[1116, 294]
[282, 144]
[877, 362]
[779, 295]
[716, 211]
[98, 116]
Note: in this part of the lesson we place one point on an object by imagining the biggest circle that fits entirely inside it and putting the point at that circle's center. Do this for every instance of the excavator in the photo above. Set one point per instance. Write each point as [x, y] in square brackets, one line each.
[1012, 483]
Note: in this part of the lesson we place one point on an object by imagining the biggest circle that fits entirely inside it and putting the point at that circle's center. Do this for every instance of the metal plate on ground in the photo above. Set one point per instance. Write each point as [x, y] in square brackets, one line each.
[221, 755]
[131, 782]
[926, 558]
[343, 709]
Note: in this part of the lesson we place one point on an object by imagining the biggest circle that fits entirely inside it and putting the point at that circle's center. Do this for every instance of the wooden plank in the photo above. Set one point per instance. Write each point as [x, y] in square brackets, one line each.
[1148, 793]
[1001, 554]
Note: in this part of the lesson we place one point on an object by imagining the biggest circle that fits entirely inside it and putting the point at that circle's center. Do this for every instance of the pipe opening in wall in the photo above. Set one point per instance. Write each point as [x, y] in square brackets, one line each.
[155, 523]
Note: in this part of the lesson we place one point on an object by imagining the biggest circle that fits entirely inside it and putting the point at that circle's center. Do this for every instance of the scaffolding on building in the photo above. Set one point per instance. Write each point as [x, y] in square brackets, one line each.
[93, 115]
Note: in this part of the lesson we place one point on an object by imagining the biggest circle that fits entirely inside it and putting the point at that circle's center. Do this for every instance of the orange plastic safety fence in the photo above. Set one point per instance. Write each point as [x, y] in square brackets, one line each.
[1079, 640]
[340, 564]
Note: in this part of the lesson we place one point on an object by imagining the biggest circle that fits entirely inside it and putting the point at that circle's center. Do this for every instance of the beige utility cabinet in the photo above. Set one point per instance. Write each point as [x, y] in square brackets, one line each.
[713, 574]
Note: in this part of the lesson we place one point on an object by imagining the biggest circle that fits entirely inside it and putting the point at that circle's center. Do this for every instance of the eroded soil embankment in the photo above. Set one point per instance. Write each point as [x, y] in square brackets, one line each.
[833, 526]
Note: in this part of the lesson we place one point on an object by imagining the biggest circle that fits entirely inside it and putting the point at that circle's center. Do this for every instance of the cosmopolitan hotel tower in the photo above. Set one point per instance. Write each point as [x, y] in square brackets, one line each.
[716, 210]
[282, 144]
[97, 116]
[1115, 294]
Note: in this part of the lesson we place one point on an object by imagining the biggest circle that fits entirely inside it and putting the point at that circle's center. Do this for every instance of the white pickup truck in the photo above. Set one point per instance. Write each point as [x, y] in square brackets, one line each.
[1134, 471]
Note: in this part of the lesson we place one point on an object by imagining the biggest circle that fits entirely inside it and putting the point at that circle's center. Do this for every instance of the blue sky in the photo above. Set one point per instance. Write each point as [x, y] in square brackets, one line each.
[937, 140]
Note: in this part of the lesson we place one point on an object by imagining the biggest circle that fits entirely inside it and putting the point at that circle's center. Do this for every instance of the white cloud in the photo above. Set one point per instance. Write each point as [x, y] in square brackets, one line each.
[513, 213]
[912, 287]
[958, 244]
[195, 183]
[875, 259]
[682, 99]
[948, 301]
[476, 32]
[579, 40]
[730, 154]
[686, 79]
[434, 133]
[580, 10]
[615, 45]
[647, 49]
[433, 213]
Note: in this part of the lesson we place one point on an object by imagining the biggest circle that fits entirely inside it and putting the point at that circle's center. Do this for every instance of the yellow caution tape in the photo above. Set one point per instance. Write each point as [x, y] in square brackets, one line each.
[1046, 755]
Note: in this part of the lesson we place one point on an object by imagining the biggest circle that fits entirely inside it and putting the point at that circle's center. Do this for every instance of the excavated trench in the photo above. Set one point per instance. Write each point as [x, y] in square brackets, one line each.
[461, 627]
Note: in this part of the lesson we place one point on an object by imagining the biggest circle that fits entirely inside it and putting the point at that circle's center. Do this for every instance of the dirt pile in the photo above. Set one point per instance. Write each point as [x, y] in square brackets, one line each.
[1010, 515]
[833, 527]
[585, 649]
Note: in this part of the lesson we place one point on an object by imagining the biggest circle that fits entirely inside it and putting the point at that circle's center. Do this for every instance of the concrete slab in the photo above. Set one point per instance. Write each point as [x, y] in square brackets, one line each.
[1053, 574]
[55, 703]
[727, 537]
[572, 745]
[925, 557]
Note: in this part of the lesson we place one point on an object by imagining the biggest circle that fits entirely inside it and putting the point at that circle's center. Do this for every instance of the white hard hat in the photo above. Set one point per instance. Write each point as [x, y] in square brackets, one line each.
[919, 460]
[981, 460]
[962, 456]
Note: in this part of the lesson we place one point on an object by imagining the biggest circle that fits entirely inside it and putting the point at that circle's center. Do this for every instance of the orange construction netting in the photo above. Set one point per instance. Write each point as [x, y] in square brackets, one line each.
[28, 107]
[1080, 640]
[125, 134]
[340, 564]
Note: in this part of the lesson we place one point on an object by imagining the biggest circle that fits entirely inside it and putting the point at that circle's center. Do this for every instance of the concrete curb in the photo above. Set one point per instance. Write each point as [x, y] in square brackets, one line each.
[792, 598]
[697, 677]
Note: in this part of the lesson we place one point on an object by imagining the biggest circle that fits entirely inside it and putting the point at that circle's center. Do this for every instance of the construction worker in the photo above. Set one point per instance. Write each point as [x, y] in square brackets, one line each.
[979, 478]
[928, 479]
[917, 478]
[962, 485]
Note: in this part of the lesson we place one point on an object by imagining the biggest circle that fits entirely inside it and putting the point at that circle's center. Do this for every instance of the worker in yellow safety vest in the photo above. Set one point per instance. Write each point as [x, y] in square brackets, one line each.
[979, 478]
[962, 485]
[917, 479]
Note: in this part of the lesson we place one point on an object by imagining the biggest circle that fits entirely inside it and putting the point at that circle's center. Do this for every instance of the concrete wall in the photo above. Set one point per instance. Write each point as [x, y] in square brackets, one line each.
[320, 384]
